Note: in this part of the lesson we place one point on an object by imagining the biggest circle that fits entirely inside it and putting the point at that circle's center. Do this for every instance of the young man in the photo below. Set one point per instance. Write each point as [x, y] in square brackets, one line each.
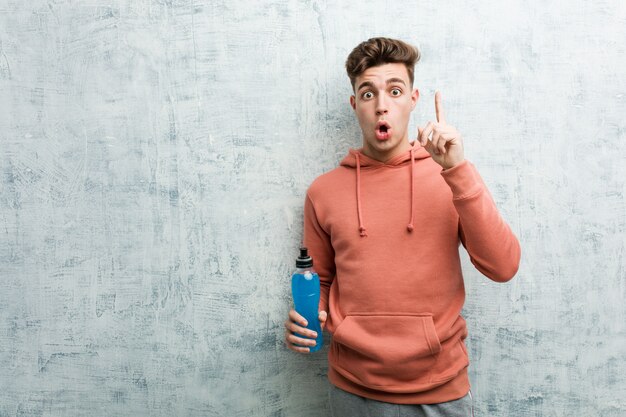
[384, 230]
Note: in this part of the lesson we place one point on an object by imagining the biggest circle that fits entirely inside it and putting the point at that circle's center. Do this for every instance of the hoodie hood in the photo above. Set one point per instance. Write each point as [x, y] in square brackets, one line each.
[356, 159]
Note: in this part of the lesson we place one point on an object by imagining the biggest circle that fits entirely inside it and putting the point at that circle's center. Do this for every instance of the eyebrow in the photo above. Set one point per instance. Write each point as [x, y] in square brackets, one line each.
[389, 81]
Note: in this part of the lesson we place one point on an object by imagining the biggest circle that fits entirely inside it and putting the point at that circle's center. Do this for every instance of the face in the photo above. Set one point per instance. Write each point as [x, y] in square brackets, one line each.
[383, 103]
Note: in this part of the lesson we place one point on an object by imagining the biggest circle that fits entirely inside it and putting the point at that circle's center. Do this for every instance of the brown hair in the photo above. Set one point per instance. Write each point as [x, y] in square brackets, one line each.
[378, 51]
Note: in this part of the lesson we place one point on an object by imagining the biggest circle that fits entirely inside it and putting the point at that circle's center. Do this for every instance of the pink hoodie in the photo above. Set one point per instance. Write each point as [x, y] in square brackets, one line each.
[385, 240]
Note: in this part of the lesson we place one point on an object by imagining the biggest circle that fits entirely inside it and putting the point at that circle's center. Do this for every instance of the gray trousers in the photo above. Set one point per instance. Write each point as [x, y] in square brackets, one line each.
[346, 404]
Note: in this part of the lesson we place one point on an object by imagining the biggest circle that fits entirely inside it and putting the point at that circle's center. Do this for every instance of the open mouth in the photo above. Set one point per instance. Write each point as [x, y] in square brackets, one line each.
[383, 130]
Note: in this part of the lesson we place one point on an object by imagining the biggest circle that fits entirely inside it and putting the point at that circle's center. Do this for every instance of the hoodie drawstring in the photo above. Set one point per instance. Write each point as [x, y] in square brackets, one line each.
[362, 230]
[410, 225]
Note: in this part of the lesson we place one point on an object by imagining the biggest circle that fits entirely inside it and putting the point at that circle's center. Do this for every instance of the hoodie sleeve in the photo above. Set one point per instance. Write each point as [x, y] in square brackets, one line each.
[493, 248]
[320, 249]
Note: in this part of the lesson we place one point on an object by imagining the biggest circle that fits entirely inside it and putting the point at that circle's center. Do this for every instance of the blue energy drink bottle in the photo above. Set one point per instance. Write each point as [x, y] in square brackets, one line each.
[305, 288]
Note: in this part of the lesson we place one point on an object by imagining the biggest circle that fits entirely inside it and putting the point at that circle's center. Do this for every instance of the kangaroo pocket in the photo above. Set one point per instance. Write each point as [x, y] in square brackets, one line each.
[395, 352]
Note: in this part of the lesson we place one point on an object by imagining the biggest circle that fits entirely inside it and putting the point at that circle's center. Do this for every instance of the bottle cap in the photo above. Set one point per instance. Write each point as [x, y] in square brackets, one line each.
[304, 260]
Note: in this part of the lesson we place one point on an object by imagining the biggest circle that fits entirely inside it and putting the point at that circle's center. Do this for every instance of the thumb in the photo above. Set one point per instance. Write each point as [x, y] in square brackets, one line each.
[322, 316]
[427, 144]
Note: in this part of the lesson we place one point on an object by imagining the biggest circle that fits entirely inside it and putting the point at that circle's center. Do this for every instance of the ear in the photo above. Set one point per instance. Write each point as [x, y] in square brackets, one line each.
[353, 102]
[414, 97]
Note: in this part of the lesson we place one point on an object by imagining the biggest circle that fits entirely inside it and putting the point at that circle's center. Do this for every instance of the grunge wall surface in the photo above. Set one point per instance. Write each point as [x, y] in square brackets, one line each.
[154, 157]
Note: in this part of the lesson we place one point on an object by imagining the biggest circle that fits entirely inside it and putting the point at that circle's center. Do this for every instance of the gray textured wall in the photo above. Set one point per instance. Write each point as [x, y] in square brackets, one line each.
[154, 158]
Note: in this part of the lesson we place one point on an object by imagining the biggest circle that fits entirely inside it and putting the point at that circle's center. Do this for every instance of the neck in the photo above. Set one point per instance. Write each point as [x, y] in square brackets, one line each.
[384, 156]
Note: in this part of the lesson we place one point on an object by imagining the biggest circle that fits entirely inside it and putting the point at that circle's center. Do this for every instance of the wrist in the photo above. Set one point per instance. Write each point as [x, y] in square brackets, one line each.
[452, 165]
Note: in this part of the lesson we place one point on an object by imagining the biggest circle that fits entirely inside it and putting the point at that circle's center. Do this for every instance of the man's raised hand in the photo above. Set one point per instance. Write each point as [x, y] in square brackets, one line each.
[445, 146]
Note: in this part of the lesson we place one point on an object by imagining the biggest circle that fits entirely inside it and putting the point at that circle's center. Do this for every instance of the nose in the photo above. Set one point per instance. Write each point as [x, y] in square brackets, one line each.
[381, 105]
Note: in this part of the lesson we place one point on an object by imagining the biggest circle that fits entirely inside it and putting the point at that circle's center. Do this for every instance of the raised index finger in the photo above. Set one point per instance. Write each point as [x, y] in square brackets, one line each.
[439, 108]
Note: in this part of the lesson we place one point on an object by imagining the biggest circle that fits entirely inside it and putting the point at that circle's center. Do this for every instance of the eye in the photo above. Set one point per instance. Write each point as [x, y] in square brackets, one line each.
[396, 92]
[367, 95]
